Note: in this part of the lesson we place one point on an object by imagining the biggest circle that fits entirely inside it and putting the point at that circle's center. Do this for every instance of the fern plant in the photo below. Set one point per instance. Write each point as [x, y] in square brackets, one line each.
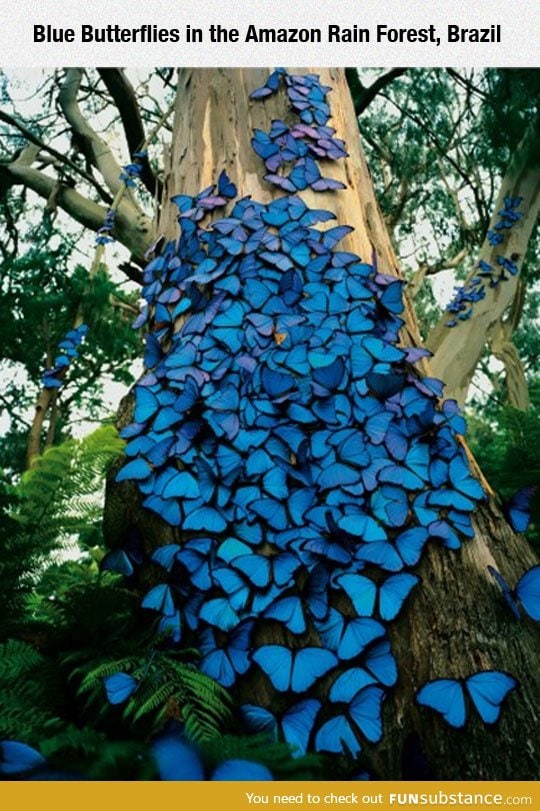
[169, 687]
[59, 499]
[31, 695]
[61, 494]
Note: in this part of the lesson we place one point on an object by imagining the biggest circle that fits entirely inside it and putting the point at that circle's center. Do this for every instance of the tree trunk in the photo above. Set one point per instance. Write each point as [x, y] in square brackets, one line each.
[456, 623]
[458, 350]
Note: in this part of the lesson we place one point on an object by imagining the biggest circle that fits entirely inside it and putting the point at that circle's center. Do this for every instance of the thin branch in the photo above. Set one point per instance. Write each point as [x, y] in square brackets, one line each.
[467, 83]
[93, 146]
[132, 231]
[12, 414]
[362, 95]
[29, 135]
[125, 99]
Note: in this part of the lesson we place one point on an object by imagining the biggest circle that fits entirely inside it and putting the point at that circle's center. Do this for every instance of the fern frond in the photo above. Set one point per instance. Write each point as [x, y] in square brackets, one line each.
[62, 489]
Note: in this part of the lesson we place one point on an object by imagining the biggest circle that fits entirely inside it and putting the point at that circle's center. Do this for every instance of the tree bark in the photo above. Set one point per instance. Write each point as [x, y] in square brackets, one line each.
[457, 622]
[457, 351]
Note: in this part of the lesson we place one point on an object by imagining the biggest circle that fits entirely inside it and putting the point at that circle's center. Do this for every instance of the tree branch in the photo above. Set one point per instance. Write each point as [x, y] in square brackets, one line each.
[125, 99]
[363, 96]
[29, 135]
[135, 232]
[457, 351]
[425, 269]
[92, 144]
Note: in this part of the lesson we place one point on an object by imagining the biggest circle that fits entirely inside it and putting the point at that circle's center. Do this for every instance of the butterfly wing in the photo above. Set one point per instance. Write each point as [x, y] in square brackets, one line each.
[379, 661]
[16, 758]
[119, 687]
[357, 635]
[393, 593]
[365, 710]
[488, 691]
[176, 759]
[137, 469]
[508, 594]
[259, 719]
[309, 665]
[288, 611]
[337, 735]
[349, 683]
[446, 697]
[361, 591]
[160, 598]
[276, 662]
[298, 723]
[518, 508]
[528, 592]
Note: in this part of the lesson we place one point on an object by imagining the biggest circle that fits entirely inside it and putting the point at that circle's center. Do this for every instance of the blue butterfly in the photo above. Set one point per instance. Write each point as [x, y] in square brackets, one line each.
[294, 670]
[461, 479]
[124, 560]
[119, 687]
[137, 469]
[487, 691]
[518, 508]
[225, 663]
[526, 592]
[391, 593]
[205, 518]
[160, 598]
[363, 714]
[390, 505]
[17, 758]
[378, 665]
[296, 723]
[171, 627]
[176, 759]
[348, 637]
[290, 612]
[392, 297]
[225, 187]
[167, 509]
[262, 570]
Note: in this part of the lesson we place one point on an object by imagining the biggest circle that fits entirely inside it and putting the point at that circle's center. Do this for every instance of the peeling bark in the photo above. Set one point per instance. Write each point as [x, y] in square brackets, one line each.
[457, 622]
[457, 351]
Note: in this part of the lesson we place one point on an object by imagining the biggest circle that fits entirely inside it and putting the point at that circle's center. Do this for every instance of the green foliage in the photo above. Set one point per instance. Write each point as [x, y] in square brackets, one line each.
[41, 296]
[168, 688]
[35, 708]
[259, 748]
[507, 448]
[31, 698]
[438, 142]
[57, 500]
[58, 494]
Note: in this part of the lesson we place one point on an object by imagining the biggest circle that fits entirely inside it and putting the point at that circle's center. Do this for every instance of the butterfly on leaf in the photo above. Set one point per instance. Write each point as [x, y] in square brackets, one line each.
[487, 691]
[119, 687]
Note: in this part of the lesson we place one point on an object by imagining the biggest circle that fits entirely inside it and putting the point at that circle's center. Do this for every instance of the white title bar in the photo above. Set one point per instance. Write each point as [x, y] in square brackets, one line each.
[270, 32]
